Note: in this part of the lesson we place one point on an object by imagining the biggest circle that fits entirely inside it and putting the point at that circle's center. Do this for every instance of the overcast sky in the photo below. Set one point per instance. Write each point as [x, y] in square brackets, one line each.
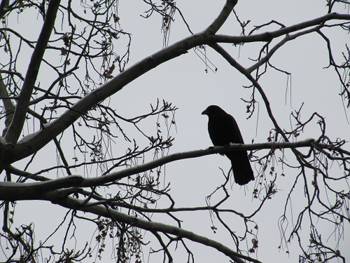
[184, 82]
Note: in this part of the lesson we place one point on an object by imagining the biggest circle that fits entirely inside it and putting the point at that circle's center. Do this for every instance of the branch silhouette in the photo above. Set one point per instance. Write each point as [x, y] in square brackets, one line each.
[23, 191]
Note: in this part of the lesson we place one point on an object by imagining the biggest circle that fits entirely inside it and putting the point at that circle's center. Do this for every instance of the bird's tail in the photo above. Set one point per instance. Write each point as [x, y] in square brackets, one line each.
[241, 168]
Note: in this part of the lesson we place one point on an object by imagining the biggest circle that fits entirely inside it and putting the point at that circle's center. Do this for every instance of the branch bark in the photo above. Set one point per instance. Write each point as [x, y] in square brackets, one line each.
[220, 20]
[8, 105]
[16, 125]
[24, 191]
[3, 7]
[36, 191]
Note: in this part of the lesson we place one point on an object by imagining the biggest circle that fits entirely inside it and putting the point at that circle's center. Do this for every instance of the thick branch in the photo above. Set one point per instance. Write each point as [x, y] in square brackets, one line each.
[8, 105]
[18, 119]
[3, 7]
[220, 20]
[8, 191]
[36, 141]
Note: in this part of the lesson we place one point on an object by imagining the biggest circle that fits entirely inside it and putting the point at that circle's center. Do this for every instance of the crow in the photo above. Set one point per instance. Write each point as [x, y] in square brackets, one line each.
[223, 130]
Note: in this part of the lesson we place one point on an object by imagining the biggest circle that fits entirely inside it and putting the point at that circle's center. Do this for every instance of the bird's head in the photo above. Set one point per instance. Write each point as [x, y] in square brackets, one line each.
[212, 110]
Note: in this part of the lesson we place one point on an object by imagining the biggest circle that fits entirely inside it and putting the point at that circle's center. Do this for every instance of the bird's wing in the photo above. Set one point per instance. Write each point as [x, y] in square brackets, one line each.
[235, 133]
[223, 130]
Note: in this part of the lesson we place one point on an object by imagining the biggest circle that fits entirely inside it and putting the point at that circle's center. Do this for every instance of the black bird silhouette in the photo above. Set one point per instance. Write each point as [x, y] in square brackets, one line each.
[223, 130]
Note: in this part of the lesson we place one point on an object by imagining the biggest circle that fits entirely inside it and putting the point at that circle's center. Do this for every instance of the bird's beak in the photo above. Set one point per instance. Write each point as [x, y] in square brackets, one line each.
[205, 112]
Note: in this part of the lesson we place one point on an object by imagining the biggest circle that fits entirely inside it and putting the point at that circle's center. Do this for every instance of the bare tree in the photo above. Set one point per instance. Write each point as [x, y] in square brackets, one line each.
[55, 86]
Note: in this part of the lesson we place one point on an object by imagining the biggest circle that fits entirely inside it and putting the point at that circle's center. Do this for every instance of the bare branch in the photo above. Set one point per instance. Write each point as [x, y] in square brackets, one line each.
[3, 7]
[9, 107]
[32, 143]
[245, 72]
[268, 36]
[121, 185]
[28, 191]
[221, 19]
[279, 45]
[18, 119]
[151, 226]
[9, 191]
[193, 154]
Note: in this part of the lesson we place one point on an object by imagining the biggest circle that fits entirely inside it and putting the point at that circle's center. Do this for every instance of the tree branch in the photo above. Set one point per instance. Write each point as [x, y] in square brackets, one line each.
[150, 226]
[220, 20]
[3, 7]
[36, 141]
[33, 142]
[8, 105]
[268, 36]
[279, 45]
[18, 119]
[192, 154]
[245, 73]
[266, 101]
[9, 191]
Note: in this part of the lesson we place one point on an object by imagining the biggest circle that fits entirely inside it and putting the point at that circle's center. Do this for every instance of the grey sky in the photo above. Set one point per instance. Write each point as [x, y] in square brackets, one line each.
[184, 82]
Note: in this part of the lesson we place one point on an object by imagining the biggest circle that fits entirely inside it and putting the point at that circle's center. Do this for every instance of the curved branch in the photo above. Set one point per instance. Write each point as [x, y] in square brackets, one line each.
[245, 73]
[220, 20]
[279, 45]
[268, 36]
[150, 226]
[33, 142]
[36, 141]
